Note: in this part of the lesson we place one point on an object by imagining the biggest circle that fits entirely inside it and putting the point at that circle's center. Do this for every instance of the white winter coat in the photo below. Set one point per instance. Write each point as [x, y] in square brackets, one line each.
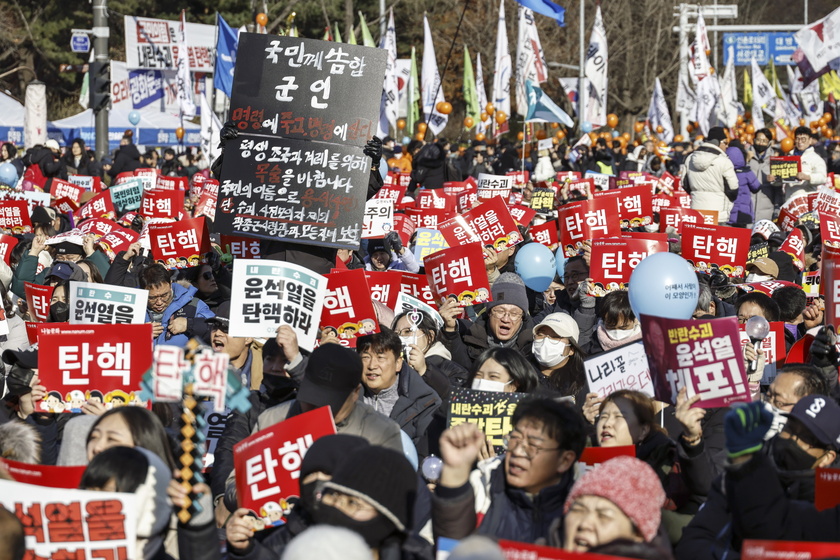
[707, 171]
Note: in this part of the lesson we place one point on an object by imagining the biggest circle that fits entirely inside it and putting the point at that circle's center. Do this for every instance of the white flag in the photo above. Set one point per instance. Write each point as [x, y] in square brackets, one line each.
[708, 91]
[764, 96]
[729, 107]
[658, 114]
[185, 85]
[685, 96]
[431, 90]
[530, 59]
[596, 71]
[699, 67]
[211, 129]
[481, 127]
[390, 87]
[810, 101]
[504, 66]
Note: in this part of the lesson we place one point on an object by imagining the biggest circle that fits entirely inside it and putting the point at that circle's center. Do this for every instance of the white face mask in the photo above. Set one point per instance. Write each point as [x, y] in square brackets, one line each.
[549, 352]
[779, 420]
[622, 334]
[488, 385]
[753, 277]
[406, 340]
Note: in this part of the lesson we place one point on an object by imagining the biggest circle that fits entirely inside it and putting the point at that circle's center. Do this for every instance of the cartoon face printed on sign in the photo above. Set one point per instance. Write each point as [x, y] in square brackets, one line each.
[500, 244]
[95, 396]
[75, 399]
[367, 326]
[271, 513]
[467, 297]
[348, 330]
[481, 295]
[117, 398]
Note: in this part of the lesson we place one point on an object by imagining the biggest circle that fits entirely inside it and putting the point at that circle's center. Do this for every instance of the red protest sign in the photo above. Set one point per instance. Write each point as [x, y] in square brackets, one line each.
[98, 226]
[434, 198]
[65, 205]
[613, 260]
[162, 204]
[348, 309]
[790, 212]
[723, 247]
[457, 231]
[268, 463]
[73, 359]
[206, 205]
[404, 227]
[794, 246]
[830, 229]
[522, 214]
[830, 285]
[676, 217]
[593, 456]
[649, 236]
[459, 272]
[44, 475]
[7, 243]
[583, 187]
[826, 488]
[454, 188]
[767, 286]
[635, 205]
[14, 217]
[587, 219]
[100, 206]
[801, 550]
[241, 247]
[702, 355]
[38, 300]
[566, 176]
[89, 183]
[166, 183]
[520, 178]
[546, 234]
[513, 550]
[466, 200]
[429, 218]
[196, 184]
[394, 193]
[118, 240]
[668, 184]
[417, 285]
[179, 244]
[65, 189]
[123, 177]
[399, 179]
[828, 201]
[493, 223]
[384, 286]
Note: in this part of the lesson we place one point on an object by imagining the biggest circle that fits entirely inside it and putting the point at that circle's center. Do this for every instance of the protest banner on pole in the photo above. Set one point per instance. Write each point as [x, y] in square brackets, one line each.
[268, 463]
[489, 410]
[613, 260]
[348, 308]
[50, 476]
[625, 367]
[104, 304]
[459, 272]
[180, 244]
[702, 355]
[77, 359]
[69, 523]
[267, 294]
[38, 299]
[721, 247]
[584, 220]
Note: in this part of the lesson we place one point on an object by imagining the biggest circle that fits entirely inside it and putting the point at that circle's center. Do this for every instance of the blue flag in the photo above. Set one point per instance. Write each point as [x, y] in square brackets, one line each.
[226, 46]
[542, 109]
[546, 8]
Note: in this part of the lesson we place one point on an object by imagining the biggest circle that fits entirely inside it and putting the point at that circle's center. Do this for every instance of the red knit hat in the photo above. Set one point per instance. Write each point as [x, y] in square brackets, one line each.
[631, 485]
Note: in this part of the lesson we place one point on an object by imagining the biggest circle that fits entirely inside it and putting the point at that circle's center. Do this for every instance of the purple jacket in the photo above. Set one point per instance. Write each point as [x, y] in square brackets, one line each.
[747, 184]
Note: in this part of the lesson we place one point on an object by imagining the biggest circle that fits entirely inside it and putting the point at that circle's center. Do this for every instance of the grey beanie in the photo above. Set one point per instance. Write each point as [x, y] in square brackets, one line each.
[510, 289]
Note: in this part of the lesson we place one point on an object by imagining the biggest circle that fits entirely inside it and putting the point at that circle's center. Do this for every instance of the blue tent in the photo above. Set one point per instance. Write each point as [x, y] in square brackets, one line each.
[11, 120]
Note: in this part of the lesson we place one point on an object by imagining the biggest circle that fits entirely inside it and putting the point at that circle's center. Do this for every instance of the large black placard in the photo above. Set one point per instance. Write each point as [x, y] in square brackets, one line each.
[307, 89]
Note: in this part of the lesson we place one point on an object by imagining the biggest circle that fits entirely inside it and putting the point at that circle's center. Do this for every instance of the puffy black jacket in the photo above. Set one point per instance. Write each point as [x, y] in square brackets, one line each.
[470, 340]
[127, 158]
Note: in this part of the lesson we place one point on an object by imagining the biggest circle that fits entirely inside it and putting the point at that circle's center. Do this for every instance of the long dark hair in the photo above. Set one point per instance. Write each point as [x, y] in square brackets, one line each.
[146, 429]
[524, 376]
[570, 378]
[126, 466]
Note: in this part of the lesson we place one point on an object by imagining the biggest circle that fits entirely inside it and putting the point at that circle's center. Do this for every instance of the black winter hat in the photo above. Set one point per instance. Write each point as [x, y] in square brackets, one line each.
[382, 477]
[332, 373]
[717, 133]
[328, 452]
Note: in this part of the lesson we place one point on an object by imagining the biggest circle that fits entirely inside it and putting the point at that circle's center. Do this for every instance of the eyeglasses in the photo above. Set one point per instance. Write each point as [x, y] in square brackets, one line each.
[351, 506]
[512, 441]
[501, 314]
[575, 276]
[773, 399]
[207, 275]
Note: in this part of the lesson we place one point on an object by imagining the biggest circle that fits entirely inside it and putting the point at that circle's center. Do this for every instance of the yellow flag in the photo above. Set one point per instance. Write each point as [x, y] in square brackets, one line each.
[747, 90]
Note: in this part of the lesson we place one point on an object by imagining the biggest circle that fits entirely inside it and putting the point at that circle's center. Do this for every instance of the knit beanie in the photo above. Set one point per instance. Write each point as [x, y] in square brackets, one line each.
[629, 483]
[510, 289]
[328, 452]
[382, 477]
[716, 133]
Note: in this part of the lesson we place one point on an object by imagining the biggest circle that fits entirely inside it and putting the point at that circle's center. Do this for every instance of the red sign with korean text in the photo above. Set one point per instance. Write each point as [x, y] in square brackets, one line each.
[162, 204]
[794, 246]
[268, 463]
[167, 183]
[493, 223]
[100, 206]
[429, 218]
[206, 205]
[790, 212]
[98, 227]
[676, 217]
[830, 285]
[513, 550]
[7, 243]
[404, 227]
[800, 550]
[583, 187]
[593, 456]
[394, 193]
[38, 300]
[118, 240]
[614, 259]
[466, 200]
[44, 475]
[828, 201]
[767, 286]
[179, 244]
[723, 247]
[522, 214]
[566, 176]
[398, 178]
[65, 205]
[459, 272]
[434, 198]
[587, 219]
[668, 184]
[635, 205]
[702, 355]
[384, 286]
[826, 488]
[14, 217]
[830, 229]
[76, 360]
[546, 234]
[65, 189]
[241, 247]
[348, 309]
[417, 285]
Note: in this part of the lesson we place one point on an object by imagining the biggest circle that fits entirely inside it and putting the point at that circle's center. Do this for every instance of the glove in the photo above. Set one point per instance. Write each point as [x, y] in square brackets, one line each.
[745, 426]
[824, 348]
[373, 150]
[393, 239]
[228, 132]
[586, 301]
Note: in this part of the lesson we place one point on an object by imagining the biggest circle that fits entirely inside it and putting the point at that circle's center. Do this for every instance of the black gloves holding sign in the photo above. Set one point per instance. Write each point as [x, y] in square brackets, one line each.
[228, 132]
[373, 150]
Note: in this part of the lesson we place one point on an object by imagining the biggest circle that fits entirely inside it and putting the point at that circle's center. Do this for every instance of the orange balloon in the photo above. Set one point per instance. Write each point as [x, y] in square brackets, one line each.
[262, 19]
[626, 136]
[801, 122]
[483, 116]
[179, 133]
[593, 136]
[639, 126]
[421, 127]
[555, 125]
[787, 145]
[480, 136]
[750, 129]
[815, 124]
[679, 138]
[490, 108]
[711, 70]
[400, 124]
[612, 120]
[469, 122]
[560, 134]
[826, 132]
[827, 116]
[659, 129]
[521, 136]
[444, 107]
[541, 135]
[501, 117]
[739, 120]
[555, 141]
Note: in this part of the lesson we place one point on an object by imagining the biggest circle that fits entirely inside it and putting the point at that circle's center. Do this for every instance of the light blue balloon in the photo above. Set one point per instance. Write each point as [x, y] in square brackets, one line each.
[383, 168]
[409, 450]
[616, 134]
[560, 260]
[134, 117]
[535, 264]
[406, 140]
[664, 285]
[586, 126]
[8, 174]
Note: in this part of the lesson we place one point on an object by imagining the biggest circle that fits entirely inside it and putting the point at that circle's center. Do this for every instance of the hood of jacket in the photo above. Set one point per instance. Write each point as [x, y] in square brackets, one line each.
[704, 157]
[736, 156]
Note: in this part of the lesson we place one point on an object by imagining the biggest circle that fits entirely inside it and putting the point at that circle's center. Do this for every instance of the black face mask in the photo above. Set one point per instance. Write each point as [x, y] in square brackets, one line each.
[374, 531]
[790, 457]
[760, 149]
[310, 494]
[59, 312]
